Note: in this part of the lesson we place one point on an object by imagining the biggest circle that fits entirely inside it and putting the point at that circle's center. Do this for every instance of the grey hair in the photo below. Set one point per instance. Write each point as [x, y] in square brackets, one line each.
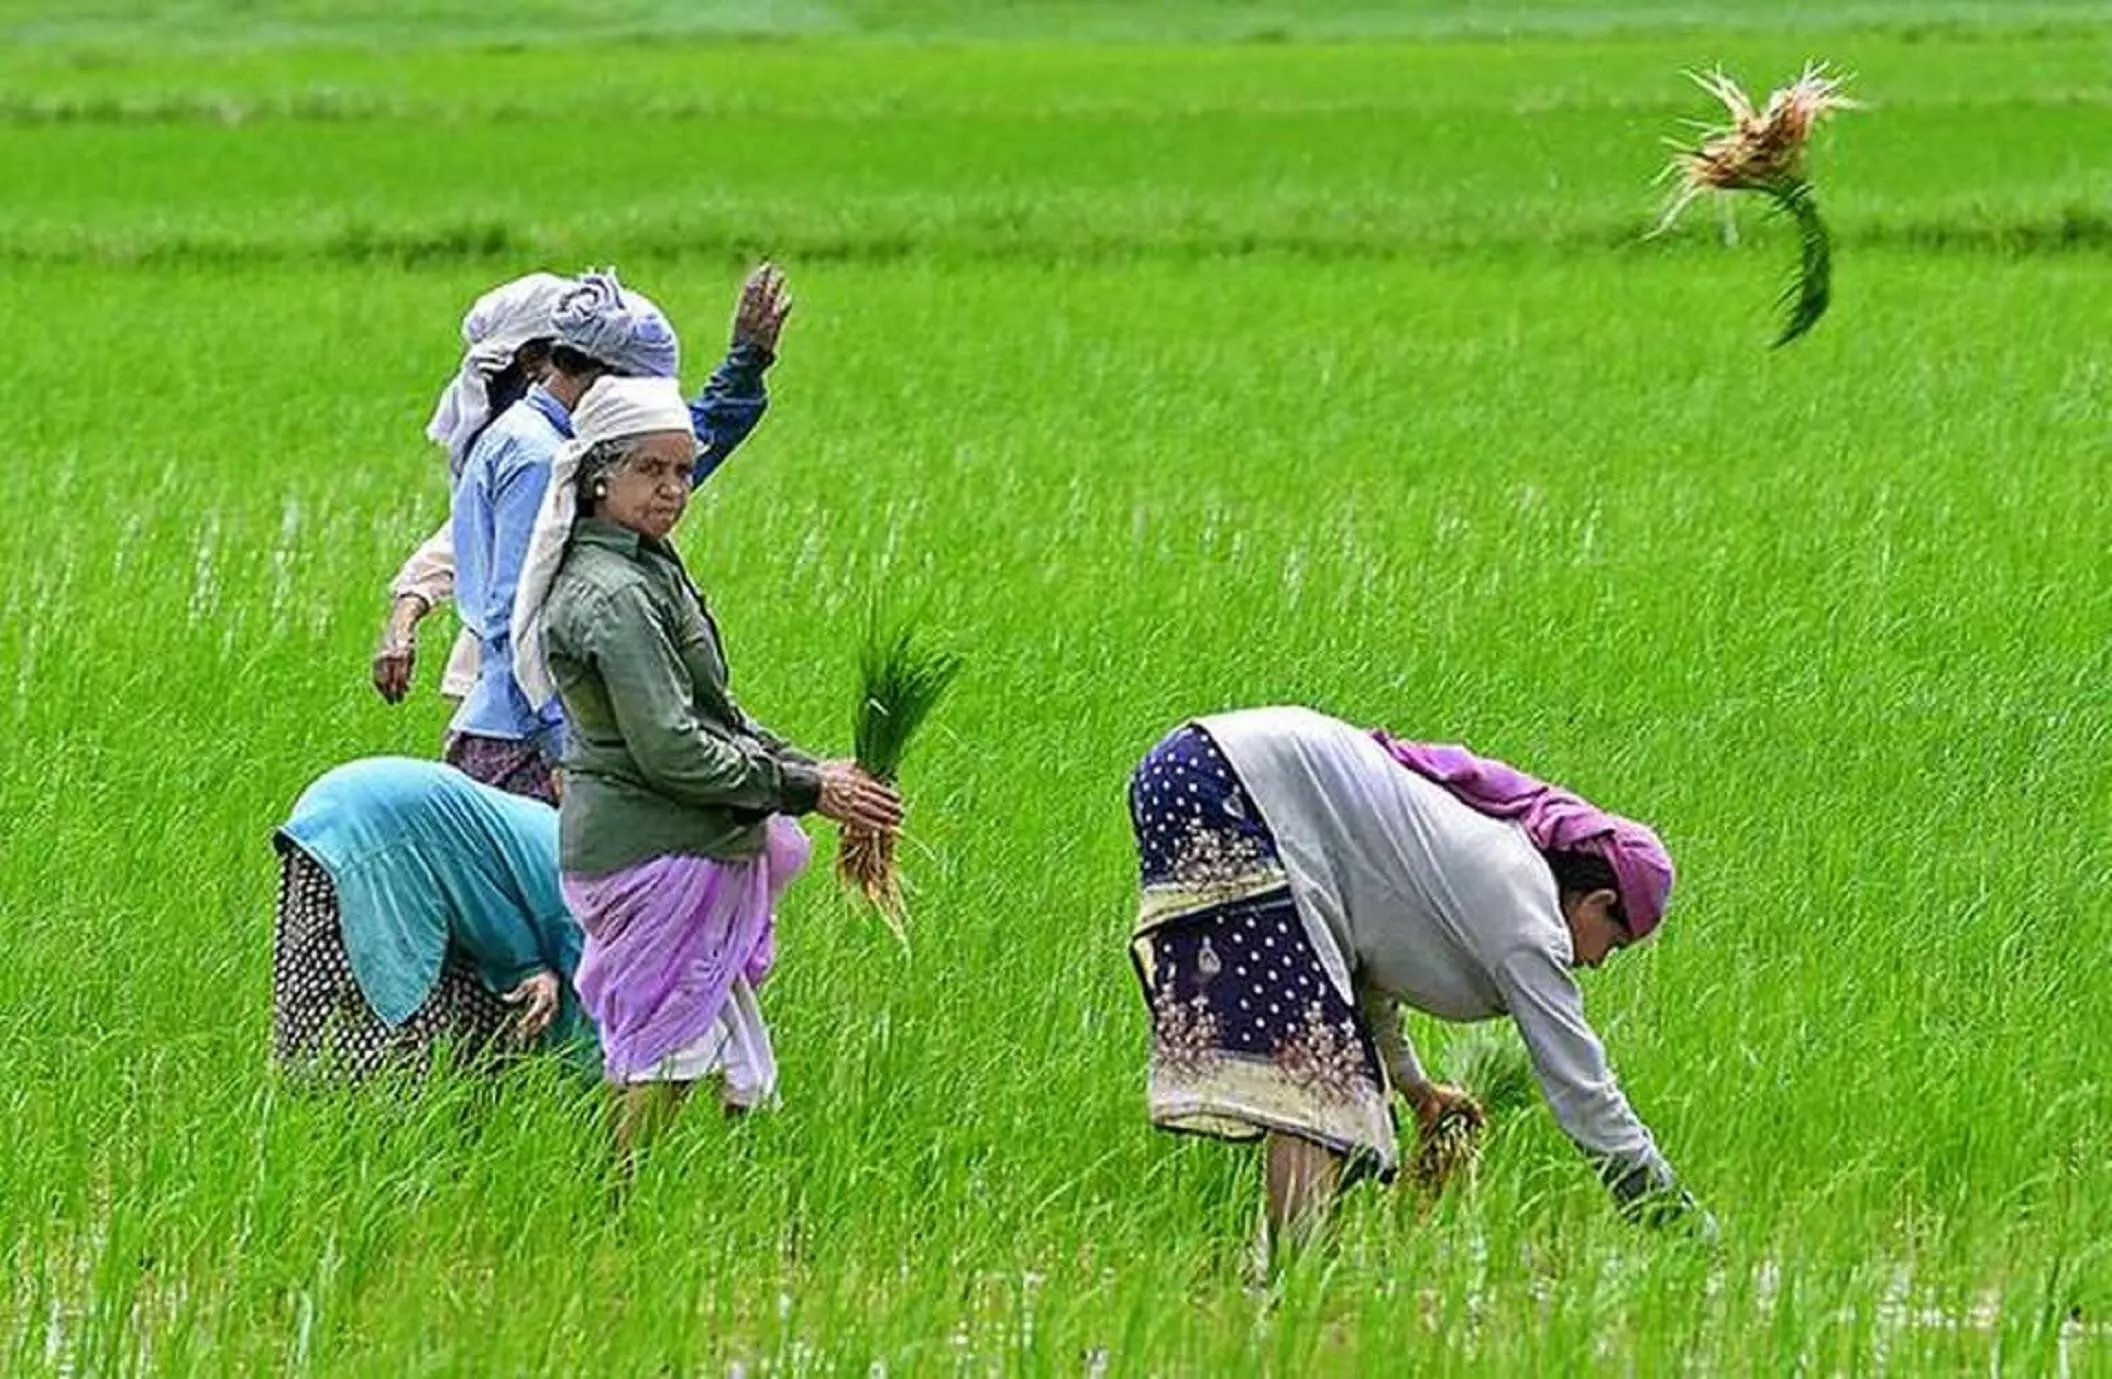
[596, 462]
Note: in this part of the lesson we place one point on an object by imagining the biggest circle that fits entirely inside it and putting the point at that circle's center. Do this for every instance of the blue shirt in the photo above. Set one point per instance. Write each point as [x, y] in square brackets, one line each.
[497, 496]
[425, 860]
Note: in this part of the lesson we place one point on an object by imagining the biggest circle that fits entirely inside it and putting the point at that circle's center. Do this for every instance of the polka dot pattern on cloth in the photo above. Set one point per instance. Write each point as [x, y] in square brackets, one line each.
[1237, 990]
[1184, 792]
[321, 1023]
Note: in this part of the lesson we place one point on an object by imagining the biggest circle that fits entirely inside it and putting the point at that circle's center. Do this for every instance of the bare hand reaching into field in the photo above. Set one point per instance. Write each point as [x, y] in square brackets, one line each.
[765, 303]
[850, 796]
[1434, 1102]
[539, 998]
[397, 657]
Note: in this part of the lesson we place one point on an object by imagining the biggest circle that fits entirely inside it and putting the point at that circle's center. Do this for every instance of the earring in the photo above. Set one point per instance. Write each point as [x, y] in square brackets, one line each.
[601, 489]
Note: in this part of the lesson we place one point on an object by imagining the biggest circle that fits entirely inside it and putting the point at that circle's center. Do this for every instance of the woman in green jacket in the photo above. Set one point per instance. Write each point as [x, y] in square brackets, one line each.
[677, 832]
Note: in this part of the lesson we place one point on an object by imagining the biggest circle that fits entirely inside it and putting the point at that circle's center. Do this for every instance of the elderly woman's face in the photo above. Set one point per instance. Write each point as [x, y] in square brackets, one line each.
[649, 487]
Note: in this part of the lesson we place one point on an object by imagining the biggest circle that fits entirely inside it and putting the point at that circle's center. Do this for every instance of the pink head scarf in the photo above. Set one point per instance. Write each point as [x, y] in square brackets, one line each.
[1555, 819]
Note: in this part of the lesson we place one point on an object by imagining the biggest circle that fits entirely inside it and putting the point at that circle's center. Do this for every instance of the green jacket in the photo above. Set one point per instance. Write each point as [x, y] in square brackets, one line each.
[658, 757]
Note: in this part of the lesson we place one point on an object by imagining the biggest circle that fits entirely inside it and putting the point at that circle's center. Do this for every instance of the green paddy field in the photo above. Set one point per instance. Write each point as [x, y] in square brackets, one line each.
[1171, 358]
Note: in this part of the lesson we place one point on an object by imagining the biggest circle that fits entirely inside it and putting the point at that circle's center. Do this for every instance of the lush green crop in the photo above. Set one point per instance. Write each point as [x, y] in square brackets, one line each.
[1162, 379]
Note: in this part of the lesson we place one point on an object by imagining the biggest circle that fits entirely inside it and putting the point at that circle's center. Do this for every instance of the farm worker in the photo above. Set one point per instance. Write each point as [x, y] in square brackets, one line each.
[506, 349]
[418, 907]
[676, 830]
[1302, 877]
[514, 323]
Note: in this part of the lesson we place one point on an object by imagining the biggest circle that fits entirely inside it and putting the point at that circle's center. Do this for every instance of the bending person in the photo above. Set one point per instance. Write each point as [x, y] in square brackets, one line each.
[511, 336]
[1302, 878]
[677, 835]
[416, 908]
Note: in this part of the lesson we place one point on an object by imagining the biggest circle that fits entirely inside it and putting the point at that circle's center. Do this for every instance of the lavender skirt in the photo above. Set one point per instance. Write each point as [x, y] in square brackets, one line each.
[668, 943]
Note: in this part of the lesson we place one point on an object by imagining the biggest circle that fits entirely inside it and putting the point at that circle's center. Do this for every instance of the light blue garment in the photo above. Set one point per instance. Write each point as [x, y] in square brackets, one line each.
[425, 859]
[624, 330]
[497, 496]
[496, 501]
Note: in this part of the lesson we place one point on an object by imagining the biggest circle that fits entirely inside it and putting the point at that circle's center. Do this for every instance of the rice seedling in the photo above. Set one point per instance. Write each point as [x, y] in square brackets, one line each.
[1489, 1064]
[1763, 151]
[1101, 365]
[901, 679]
[1448, 1146]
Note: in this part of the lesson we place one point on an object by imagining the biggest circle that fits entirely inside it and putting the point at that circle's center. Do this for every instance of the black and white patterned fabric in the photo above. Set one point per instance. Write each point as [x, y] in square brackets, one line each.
[321, 1025]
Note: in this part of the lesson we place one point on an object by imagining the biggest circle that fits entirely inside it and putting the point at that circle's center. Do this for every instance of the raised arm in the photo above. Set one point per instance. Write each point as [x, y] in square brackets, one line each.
[734, 399]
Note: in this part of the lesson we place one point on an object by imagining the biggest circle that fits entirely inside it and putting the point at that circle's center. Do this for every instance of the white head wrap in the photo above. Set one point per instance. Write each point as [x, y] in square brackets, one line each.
[604, 320]
[613, 409]
[498, 323]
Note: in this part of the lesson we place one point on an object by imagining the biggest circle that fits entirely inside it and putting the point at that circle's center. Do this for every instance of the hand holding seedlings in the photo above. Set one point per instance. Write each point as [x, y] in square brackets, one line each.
[851, 796]
[1450, 1124]
[900, 680]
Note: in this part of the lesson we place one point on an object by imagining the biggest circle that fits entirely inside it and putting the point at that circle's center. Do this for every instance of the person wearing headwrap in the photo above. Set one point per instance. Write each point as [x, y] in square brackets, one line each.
[1302, 879]
[506, 347]
[676, 830]
[599, 329]
[510, 334]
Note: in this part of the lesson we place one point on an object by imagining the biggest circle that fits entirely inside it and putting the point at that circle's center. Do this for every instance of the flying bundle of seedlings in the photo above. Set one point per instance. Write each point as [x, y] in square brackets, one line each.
[1496, 1076]
[1763, 151]
[900, 680]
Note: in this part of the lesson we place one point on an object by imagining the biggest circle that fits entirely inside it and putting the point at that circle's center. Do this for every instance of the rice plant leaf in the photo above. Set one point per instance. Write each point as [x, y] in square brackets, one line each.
[1494, 1067]
[1809, 294]
[900, 680]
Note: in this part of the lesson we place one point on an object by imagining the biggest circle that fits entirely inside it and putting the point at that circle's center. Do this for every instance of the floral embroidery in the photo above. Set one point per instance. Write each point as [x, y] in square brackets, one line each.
[1184, 1033]
[1324, 1058]
[1216, 864]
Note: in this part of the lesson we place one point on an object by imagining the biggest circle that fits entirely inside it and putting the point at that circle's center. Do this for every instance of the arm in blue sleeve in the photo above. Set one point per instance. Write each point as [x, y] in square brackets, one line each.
[558, 935]
[507, 949]
[732, 402]
[515, 501]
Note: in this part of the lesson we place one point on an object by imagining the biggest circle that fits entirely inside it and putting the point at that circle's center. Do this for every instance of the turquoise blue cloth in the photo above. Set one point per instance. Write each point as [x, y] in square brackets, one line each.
[424, 858]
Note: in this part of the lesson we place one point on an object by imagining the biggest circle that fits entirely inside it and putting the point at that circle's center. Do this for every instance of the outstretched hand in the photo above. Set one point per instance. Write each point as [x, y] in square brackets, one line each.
[397, 657]
[538, 997]
[765, 302]
[850, 796]
[1435, 1102]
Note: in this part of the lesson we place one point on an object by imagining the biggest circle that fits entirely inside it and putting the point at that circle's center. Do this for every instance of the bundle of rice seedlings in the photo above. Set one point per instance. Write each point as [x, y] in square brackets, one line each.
[1763, 151]
[1491, 1067]
[900, 680]
[1448, 1147]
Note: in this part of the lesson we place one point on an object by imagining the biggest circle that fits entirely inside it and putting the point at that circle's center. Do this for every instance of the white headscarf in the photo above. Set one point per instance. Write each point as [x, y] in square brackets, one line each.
[604, 320]
[613, 409]
[498, 323]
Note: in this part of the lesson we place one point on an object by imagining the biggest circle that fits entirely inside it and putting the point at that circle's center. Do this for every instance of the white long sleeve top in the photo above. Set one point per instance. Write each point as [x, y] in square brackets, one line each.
[1429, 902]
[429, 574]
